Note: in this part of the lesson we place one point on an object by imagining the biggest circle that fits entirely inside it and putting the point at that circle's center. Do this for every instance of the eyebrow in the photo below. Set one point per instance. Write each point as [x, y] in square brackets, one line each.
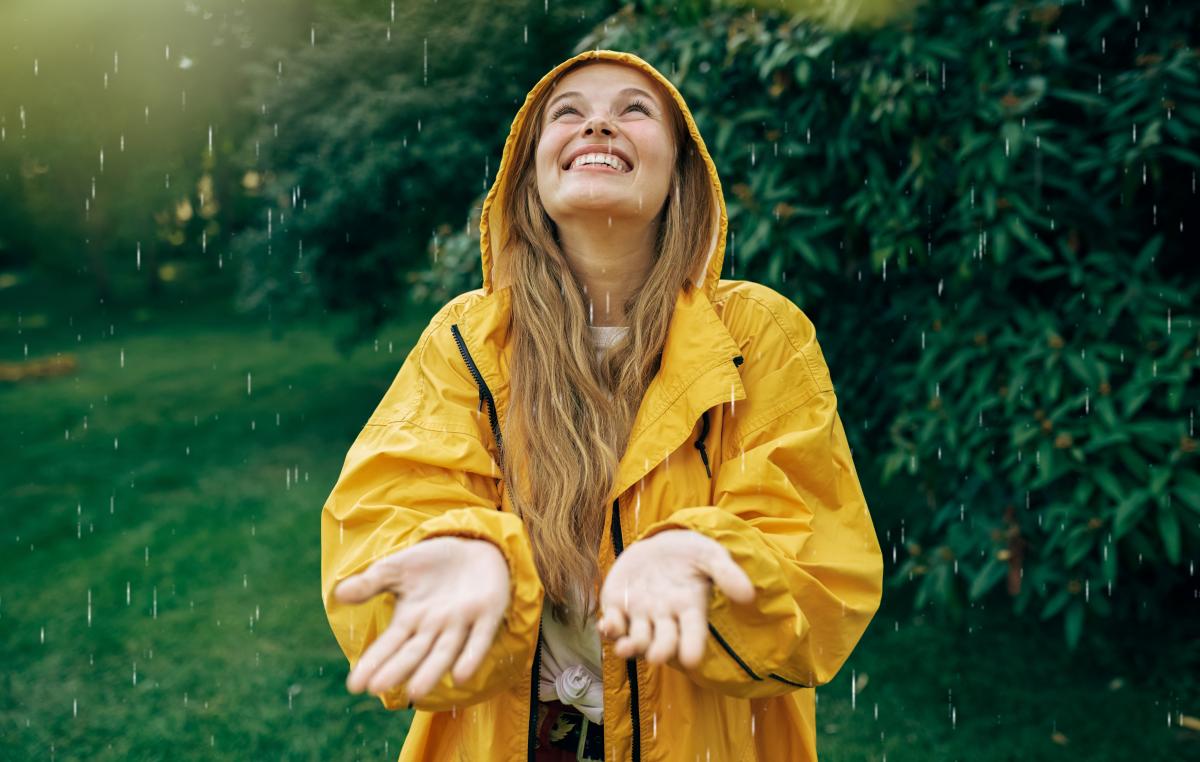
[626, 91]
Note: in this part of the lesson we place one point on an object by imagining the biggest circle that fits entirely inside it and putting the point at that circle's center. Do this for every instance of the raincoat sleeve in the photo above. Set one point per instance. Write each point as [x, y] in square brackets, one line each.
[789, 508]
[419, 469]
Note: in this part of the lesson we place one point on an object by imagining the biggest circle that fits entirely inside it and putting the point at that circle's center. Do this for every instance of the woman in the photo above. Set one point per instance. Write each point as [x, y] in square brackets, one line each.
[608, 501]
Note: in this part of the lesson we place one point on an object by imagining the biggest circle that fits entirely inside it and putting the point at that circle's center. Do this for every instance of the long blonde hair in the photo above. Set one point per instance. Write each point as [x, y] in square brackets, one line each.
[570, 413]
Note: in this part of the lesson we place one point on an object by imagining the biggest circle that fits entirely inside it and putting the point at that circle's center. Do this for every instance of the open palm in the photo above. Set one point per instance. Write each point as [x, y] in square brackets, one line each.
[451, 595]
[655, 597]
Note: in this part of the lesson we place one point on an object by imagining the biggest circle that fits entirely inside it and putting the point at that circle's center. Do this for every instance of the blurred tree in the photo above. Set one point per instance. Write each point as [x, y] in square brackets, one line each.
[377, 134]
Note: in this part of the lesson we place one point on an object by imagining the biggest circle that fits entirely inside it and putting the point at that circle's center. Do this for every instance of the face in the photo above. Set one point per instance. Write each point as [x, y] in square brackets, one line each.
[605, 108]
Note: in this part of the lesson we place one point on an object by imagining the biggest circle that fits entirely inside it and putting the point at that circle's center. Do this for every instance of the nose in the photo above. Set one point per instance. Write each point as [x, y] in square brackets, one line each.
[604, 128]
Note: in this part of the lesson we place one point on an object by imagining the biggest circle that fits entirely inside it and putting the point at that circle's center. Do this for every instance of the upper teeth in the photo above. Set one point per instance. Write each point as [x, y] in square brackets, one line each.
[600, 158]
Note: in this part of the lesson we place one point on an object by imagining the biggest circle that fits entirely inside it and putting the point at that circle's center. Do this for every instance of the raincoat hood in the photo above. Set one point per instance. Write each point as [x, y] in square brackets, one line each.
[737, 438]
[493, 221]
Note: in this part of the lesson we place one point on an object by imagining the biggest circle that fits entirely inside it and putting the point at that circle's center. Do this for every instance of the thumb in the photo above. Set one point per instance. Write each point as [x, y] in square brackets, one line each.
[731, 579]
[358, 587]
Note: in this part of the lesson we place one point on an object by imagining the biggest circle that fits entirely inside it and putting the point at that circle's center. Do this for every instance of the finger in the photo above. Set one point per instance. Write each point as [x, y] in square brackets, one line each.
[614, 605]
[404, 622]
[478, 643]
[666, 638]
[637, 640]
[732, 580]
[444, 651]
[693, 632]
[397, 669]
[612, 625]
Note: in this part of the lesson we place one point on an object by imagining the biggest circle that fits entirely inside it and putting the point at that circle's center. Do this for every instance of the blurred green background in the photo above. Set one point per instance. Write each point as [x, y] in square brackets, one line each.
[223, 225]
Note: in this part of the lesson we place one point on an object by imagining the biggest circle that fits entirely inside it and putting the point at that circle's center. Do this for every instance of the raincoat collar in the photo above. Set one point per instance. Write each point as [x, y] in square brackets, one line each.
[699, 369]
[700, 358]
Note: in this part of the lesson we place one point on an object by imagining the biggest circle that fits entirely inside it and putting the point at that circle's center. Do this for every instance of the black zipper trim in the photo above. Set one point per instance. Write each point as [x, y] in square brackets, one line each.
[535, 695]
[485, 394]
[745, 667]
[789, 682]
[700, 443]
[729, 650]
[630, 664]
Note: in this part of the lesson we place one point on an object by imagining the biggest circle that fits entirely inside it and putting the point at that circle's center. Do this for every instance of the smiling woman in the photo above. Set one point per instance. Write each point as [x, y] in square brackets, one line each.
[605, 426]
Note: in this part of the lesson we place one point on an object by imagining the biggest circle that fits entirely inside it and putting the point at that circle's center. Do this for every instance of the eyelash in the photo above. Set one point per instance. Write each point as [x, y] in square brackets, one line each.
[636, 104]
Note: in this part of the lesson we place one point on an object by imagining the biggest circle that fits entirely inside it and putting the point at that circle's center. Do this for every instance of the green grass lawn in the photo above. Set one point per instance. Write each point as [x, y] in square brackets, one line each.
[159, 571]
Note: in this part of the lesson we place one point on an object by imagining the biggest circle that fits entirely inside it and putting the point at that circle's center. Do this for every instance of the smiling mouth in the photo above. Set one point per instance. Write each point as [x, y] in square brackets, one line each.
[600, 166]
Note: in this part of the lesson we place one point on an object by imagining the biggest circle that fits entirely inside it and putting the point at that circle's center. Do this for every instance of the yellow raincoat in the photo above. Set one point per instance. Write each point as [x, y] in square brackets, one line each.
[738, 437]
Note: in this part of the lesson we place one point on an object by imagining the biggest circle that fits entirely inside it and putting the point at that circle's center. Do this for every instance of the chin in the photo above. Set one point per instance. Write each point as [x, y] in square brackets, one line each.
[614, 206]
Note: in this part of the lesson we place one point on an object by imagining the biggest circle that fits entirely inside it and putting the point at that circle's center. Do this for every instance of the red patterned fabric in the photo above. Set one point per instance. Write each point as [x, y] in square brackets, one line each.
[559, 729]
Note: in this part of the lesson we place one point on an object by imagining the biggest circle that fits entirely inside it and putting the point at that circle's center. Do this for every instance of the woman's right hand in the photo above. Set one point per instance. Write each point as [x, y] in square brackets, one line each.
[451, 595]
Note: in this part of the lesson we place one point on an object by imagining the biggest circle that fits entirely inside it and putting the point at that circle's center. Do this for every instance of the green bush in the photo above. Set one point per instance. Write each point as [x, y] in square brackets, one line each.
[374, 137]
[984, 208]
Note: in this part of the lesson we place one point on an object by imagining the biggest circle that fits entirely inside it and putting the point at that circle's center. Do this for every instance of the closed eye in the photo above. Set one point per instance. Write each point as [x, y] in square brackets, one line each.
[566, 109]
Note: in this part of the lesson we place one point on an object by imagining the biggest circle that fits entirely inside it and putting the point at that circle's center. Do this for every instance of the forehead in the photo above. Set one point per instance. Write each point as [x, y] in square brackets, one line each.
[601, 80]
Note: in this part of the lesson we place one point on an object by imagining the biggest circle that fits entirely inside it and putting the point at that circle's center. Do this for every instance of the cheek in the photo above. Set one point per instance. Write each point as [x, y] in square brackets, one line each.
[552, 144]
[544, 159]
[653, 147]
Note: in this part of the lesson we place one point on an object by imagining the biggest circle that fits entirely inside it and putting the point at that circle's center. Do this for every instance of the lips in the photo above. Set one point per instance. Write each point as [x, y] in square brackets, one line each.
[597, 148]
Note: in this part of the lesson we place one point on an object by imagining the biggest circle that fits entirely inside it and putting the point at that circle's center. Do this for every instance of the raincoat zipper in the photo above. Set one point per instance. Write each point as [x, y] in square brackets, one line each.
[485, 394]
[630, 664]
[699, 444]
[535, 695]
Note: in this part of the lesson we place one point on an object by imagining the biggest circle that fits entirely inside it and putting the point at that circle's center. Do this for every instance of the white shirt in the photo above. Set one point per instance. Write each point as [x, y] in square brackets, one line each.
[570, 669]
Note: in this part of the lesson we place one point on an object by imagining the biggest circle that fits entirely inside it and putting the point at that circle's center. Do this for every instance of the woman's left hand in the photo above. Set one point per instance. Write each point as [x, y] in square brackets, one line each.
[655, 598]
